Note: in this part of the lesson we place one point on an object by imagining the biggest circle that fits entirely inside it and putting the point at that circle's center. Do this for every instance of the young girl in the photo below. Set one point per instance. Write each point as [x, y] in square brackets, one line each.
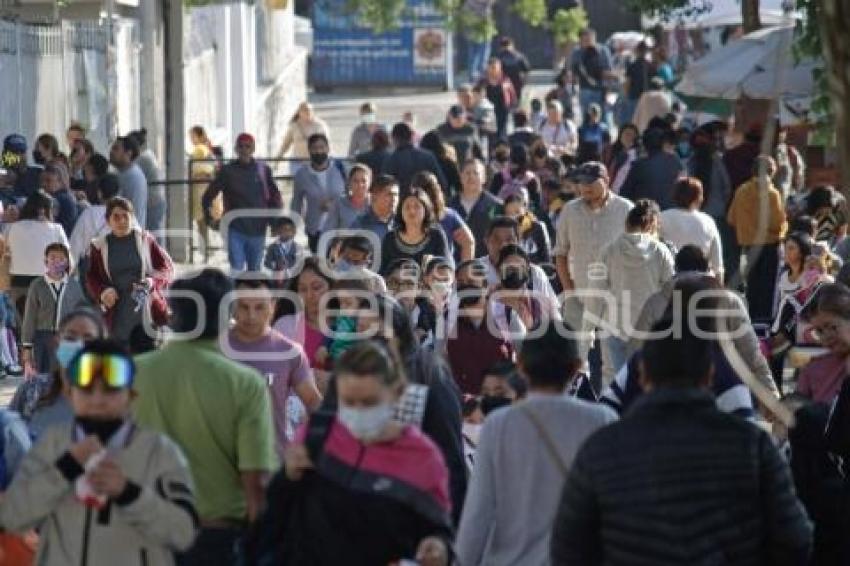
[49, 298]
[102, 490]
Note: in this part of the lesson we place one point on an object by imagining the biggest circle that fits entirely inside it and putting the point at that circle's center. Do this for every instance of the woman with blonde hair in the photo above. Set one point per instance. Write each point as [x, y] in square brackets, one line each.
[303, 124]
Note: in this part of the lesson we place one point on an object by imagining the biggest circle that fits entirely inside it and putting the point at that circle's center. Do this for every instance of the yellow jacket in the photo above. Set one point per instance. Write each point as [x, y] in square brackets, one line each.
[757, 222]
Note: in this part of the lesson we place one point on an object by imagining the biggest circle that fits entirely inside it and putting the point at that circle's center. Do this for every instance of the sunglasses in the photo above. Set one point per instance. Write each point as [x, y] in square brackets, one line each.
[114, 370]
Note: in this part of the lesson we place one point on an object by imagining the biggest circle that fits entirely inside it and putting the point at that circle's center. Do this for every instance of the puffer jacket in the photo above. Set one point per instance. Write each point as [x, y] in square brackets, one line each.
[676, 481]
[151, 521]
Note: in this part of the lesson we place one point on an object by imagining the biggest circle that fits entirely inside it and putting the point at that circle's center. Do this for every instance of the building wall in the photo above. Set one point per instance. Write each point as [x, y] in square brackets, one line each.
[243, 72]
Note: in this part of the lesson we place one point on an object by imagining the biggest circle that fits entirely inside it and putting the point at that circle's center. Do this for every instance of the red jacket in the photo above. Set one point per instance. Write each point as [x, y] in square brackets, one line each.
[157, 269]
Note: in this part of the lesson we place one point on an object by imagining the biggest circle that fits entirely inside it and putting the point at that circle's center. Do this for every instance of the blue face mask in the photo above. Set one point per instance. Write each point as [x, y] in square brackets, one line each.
[683, 149]
[66, 351]
[342, 265]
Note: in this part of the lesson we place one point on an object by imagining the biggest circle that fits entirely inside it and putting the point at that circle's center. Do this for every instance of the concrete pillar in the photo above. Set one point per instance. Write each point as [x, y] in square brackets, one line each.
[243, 72]
[152, 111]
[175, 131]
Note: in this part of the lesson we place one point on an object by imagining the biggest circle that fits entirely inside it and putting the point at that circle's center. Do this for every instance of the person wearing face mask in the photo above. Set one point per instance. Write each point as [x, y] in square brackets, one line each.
[406, 519]
[41, 401]
[472, 348]
[102, 487]
[438, 279]
[501, 387]
[543, 164]
[502, 232]
[361, 136]
[499, 159]
[517, 306]
[517, 178]
[246, 184]
[533, 236]
[316, 188]
[544, 434]
[49, 298]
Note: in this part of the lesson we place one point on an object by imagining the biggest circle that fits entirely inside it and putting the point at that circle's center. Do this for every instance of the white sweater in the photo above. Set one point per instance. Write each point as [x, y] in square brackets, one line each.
[27, 240]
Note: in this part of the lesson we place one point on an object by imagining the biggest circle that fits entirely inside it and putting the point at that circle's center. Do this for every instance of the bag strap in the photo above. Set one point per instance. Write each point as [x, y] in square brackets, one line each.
[318, 429]
[261, 172]
[546, 437]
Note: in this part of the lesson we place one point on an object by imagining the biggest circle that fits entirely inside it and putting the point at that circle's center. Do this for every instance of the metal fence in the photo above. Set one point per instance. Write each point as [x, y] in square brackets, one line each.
[55, 74]
[197, 182]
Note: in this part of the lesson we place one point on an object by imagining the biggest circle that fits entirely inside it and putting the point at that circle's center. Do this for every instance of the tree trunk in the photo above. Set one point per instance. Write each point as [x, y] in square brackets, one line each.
[750, 15]
[835, 28]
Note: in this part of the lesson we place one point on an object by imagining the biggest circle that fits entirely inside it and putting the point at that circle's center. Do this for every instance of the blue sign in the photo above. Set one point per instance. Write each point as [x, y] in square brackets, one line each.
[415, 53]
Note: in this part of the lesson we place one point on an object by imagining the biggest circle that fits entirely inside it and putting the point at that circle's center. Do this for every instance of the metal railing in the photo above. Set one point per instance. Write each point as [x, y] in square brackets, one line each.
[187, 184]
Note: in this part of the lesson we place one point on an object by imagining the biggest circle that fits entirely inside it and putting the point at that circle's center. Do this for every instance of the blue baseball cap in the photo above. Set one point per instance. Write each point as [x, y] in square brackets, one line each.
[15, 143]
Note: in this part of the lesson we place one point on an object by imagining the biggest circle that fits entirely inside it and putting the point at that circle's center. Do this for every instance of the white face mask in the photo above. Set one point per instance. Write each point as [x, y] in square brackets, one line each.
[442, 287]
[366, 423]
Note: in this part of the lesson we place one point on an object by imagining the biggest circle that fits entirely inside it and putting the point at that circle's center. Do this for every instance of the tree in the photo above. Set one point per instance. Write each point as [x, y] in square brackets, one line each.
[750, 15]
[823, 33]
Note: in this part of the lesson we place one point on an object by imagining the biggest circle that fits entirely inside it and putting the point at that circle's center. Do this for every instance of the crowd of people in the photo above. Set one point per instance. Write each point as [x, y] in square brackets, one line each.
[519, 338]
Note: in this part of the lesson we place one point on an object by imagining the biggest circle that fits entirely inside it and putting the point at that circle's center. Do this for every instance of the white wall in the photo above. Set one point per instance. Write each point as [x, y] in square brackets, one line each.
[243, 72]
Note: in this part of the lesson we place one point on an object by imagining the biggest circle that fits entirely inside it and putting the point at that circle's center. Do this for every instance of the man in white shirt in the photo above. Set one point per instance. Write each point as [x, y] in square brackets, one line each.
[585, 227]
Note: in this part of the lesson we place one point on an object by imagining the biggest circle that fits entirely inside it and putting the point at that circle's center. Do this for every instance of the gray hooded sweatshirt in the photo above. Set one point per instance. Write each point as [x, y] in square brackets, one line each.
[632, 268]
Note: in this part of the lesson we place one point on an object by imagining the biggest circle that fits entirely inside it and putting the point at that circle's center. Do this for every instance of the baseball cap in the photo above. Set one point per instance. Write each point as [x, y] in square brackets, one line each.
[587, 173]
[456, 111]
[15, 143]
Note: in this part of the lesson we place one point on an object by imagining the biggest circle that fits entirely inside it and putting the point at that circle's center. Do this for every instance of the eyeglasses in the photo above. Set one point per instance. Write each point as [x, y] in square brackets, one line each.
[114, 370]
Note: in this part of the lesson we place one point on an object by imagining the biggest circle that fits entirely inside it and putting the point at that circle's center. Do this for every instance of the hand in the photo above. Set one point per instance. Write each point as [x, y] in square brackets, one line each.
[432, 552]
[296, 461]
[109, 297]
[107, 478]
[85, 449]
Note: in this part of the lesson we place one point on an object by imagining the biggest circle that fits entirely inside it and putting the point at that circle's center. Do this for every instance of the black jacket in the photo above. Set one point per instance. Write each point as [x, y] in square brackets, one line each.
[406, 161]
[653, 177]
[485, 209]
[678, 482]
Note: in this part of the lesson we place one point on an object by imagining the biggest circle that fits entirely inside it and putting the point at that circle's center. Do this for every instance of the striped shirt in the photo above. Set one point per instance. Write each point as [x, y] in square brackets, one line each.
[731, 394]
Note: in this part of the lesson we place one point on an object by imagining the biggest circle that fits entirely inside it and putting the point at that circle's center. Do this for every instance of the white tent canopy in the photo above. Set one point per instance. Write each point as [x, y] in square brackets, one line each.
[726, 13]
[759, 65]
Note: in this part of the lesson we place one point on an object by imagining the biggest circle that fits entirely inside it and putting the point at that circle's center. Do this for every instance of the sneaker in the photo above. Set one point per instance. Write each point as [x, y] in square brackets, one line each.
[14, 369]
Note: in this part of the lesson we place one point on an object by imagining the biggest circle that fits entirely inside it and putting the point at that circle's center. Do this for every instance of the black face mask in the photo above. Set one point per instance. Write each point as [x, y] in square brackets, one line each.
[318, 158]
[540, 153]
[473, 297]
[515, 279]
[492, 402]
[37, 157]
[501, 157]
[103, 429]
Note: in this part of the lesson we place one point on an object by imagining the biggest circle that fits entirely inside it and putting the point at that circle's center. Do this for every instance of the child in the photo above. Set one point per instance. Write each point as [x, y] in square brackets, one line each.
[49, 298]
[102, 490]
[350, 296]
[284, 253]
[502, 386]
